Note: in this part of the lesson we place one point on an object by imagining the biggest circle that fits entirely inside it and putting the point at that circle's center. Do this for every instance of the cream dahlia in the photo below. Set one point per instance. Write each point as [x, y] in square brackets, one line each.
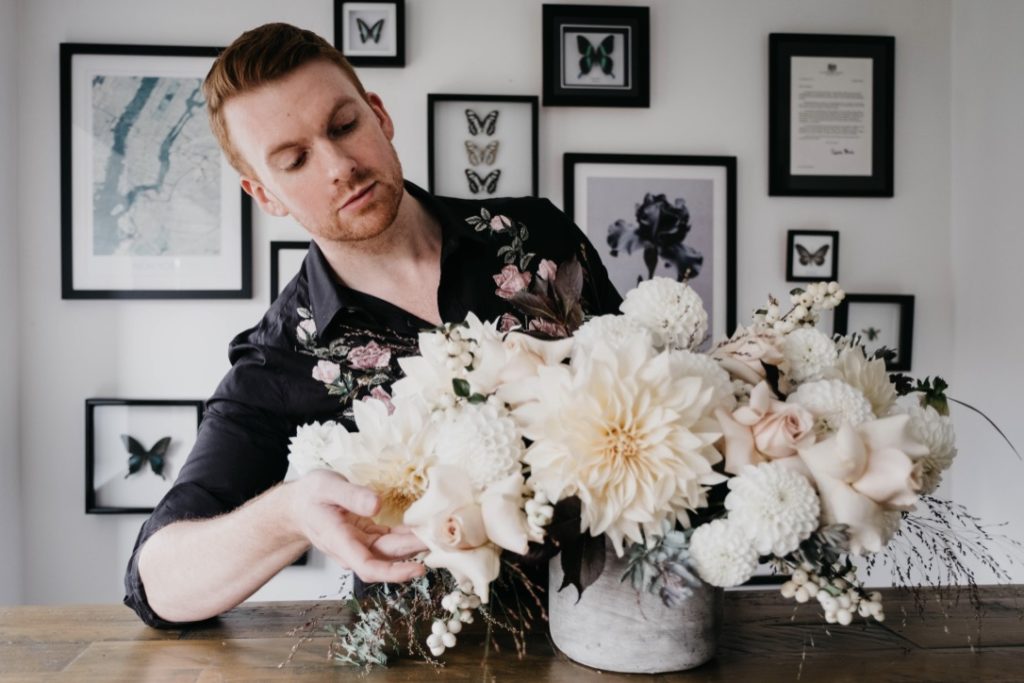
[775, 506]
[690, 364]
[869, 376]
[619, 430]
[315, 446]
[722, 554]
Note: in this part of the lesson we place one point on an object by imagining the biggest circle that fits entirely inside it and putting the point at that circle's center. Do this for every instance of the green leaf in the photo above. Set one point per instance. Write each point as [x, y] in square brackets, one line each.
[477, 398]
[461, 387]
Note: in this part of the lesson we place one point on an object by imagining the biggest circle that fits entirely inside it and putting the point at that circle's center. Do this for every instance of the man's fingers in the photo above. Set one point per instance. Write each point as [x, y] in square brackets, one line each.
[338, 491]
[384, 571]
[347, 545]
[397, 545]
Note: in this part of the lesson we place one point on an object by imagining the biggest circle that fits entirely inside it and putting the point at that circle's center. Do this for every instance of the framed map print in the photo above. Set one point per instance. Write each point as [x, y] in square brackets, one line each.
[150, 207]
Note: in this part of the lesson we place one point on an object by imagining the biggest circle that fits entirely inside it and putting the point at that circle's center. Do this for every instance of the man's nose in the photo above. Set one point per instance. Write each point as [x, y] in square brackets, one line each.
[338, 163]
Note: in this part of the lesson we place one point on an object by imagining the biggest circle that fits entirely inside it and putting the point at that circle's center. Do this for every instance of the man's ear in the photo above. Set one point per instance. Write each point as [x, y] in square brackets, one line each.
[377, 105]
[267, 202]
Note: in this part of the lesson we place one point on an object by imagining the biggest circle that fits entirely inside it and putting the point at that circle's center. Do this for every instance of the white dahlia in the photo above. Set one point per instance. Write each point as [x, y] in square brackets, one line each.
[315, 446]
[672, 311]
[690, 364]
[722, 554]
[614, 330]
[390, 455]
[809, 354]
[775, 506]
[480, 439]
[833, 403]
[620, 431]
[869, 376]
[935, 431]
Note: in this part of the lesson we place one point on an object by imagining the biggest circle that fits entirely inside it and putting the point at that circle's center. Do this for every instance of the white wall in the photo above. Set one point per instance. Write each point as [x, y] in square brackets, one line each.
[10, 508]
[988, 252]
[709, 96]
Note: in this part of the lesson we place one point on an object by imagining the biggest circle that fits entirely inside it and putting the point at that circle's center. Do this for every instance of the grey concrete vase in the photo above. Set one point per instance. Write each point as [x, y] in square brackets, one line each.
[614, 628]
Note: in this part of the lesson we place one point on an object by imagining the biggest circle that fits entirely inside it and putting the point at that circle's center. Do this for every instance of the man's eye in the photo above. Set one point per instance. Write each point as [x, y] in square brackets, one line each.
[297, 162]
[340, 129]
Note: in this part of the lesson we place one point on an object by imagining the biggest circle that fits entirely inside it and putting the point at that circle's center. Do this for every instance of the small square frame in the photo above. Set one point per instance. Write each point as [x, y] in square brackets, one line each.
[285, 260]
[832, 163]
[805, 261]
[108, 489]
[591, 75]
[464, 150]
[385, 27]
[602, 190]
[150, 207]
[859, 310]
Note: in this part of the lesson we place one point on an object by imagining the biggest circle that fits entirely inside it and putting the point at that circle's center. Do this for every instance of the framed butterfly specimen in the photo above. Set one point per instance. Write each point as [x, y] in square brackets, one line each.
[371, 32]
[482, 145]
[885, 324]
[830, 115]
[596, 56]
[134, 449]
[812, 255]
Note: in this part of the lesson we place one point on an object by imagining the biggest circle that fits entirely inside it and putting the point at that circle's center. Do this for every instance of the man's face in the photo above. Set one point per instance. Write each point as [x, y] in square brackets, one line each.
[320, 152]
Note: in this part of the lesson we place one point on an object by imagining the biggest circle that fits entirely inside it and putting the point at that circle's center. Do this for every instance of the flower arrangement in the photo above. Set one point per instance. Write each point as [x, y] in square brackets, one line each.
[779, 444]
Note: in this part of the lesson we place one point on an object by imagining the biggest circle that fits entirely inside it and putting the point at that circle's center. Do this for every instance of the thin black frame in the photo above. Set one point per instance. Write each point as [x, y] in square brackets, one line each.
[571, 159]
[398, 60]
[90, 453]
[906, 335]
[532, 100]
[68, 291]
[882, 50]
[639, 54]
[276, 246]
[791, 237]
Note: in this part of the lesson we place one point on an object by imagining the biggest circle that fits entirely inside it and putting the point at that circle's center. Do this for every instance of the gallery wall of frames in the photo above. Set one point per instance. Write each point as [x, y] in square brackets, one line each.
[738, 177]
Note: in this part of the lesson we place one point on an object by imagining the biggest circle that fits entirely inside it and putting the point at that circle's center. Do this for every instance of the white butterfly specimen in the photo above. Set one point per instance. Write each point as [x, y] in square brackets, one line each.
[482, 155]
[808, 258]
[488, 183]
[486, 124]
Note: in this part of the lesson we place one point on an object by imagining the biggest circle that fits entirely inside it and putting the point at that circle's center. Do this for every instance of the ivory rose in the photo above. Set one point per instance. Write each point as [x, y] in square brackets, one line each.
[764, 430]
[743, 354]
[464, 531]
[864, 472]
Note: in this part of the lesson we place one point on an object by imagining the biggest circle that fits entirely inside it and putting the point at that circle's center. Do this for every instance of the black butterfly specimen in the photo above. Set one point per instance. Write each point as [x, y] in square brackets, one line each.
[485, 124]
[872, 333]
[482, 155]
[368, 32]
[600, 55]
[489, 182]
[808, 258]
[137, 455]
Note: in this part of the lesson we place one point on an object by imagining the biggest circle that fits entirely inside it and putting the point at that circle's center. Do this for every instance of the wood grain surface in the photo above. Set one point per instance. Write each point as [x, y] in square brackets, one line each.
[765, 639]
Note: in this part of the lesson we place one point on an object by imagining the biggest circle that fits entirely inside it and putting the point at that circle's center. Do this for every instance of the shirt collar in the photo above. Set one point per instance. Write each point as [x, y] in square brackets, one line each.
[327, 297]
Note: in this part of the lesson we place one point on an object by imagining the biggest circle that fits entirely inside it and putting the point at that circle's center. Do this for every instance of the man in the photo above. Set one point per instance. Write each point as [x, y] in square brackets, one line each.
[387, 261]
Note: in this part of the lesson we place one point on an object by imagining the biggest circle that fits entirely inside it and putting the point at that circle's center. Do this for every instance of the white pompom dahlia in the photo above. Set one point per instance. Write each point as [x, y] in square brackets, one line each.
[672, 311]
[722, 553]
[775, 506]
[611, 329]
[833, 403]
[316, 445]
[480, 439]
[809, 354]
[935, 431]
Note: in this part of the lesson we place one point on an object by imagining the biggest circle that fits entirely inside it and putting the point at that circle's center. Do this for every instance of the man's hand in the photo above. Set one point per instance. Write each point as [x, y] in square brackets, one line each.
[334, 515]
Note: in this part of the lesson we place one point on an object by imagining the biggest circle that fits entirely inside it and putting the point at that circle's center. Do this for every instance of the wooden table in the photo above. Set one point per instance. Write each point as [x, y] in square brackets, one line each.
[765, 639]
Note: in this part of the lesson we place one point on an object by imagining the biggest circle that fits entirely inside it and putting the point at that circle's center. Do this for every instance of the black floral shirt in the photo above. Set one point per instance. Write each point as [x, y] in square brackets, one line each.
[322, 346]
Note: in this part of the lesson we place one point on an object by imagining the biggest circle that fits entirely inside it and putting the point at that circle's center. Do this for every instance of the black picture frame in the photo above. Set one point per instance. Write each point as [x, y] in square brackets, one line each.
[134, 113]
[628, 35]
[106, 457]
[850, 315]
[709, 185]
[460, 140]
[831, 155]
[277, 249]
[351, 37]
[811, 265]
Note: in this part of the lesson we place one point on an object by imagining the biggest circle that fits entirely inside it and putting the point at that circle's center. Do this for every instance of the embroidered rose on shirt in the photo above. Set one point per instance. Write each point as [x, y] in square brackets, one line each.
[370, 356]
[511, 280]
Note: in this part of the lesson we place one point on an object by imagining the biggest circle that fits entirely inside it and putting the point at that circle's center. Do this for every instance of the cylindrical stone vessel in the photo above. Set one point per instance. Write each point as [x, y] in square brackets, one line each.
[615, 628]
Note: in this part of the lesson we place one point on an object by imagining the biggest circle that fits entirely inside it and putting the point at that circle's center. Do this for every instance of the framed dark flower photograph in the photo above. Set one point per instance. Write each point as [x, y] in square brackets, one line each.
[812, 255]
[285, 261]
[596, 56]
[150, 207]
[661, 215]
[481, 146]
[830, 115]
[881, 321]
[134, 450]
[371, 32]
